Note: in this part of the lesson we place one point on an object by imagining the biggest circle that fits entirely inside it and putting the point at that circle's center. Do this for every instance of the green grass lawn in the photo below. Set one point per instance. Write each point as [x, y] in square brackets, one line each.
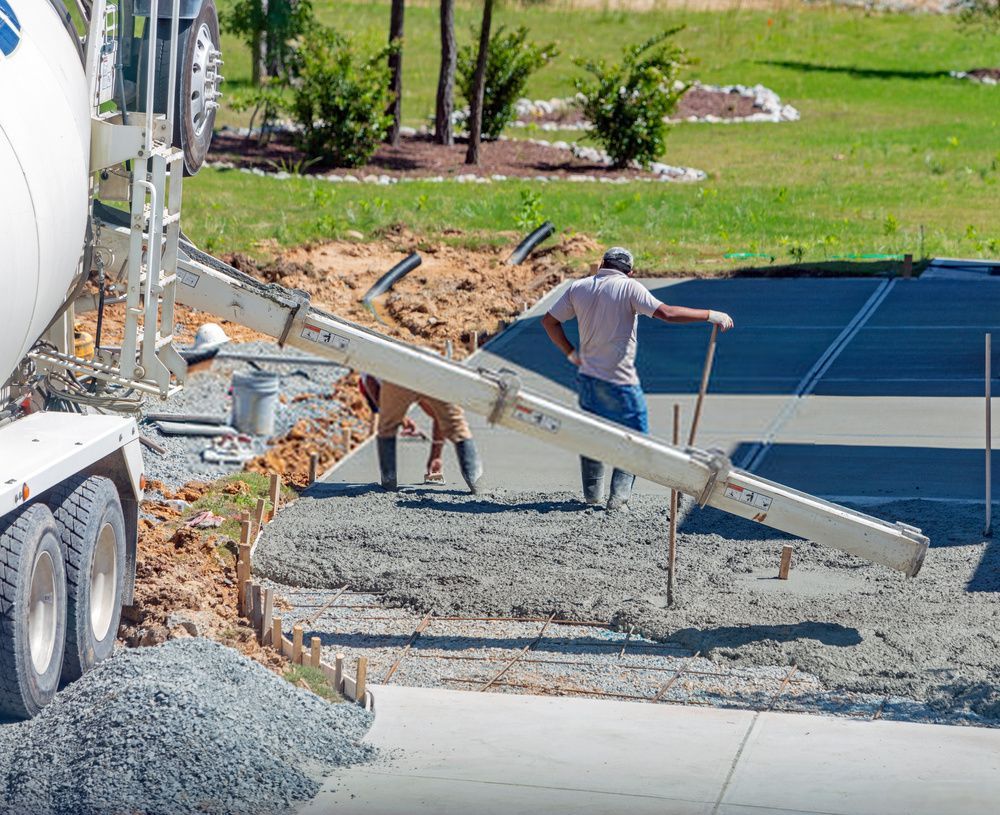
[889, 148]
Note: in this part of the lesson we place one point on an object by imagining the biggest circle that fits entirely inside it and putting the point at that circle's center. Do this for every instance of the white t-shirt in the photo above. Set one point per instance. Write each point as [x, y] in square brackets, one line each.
[606, 306]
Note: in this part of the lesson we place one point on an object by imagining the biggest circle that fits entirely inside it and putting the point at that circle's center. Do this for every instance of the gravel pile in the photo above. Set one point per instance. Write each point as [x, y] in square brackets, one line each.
[854, 625]
[207, 393]
[185, 727]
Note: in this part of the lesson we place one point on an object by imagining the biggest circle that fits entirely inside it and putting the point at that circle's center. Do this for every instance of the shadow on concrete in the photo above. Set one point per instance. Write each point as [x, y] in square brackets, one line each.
[853, 70]
[425, 499]
[322, 489]
[925, 339]
[573, 645]
[888, 267]
[711, 639]
[708, 520]
[782, 327]
[884, 473]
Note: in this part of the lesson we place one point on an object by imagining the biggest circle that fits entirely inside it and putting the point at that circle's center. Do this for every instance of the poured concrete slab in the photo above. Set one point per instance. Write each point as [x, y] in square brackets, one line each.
[870, 445]
[459, 752]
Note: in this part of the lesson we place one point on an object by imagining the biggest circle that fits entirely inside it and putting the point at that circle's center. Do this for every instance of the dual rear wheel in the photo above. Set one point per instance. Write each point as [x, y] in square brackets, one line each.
[62, 569]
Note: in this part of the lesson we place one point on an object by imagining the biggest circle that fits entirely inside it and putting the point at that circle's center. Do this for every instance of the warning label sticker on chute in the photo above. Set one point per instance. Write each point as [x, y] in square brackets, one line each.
[537, 418]
[324, 337]
[748, 497]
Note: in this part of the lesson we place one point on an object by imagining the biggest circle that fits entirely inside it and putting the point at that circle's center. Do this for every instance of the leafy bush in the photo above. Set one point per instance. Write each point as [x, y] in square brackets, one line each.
[278, 27]
[340, 99]
[980, 13]
[510, 60]
[264, 101]
[627, 102]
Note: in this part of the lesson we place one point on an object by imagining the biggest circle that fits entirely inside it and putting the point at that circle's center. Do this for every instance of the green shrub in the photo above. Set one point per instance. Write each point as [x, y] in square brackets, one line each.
[627, 102]
[340, 99]
[264, 102]
[980, 13]
[510, 60]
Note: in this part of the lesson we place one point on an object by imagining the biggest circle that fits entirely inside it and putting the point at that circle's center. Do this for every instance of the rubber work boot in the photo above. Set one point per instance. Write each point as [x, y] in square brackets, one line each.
[387, 462]
[593, 479]
[621, 490]
[470, 464]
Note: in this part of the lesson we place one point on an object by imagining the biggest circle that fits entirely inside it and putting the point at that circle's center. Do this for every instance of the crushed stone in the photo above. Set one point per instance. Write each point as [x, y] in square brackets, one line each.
[185, 727]
[855, 625]
[305, 390]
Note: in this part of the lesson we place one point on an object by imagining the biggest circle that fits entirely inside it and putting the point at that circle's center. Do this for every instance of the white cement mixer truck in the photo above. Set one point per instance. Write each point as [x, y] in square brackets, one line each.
[75, 130]
[94, 146]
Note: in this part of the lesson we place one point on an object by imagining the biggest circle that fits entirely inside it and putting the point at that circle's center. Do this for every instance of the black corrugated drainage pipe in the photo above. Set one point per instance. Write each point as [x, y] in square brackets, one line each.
[397, 272]
[524, 247]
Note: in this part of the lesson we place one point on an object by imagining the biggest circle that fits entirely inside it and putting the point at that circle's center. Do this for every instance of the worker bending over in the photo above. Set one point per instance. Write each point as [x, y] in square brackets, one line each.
[605, 306]
[394, 401]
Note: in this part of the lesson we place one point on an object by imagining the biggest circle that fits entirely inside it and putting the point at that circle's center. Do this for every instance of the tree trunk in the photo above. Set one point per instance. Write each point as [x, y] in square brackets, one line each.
[396, 69]
[446, 77]
[478, 83]
[259, 56]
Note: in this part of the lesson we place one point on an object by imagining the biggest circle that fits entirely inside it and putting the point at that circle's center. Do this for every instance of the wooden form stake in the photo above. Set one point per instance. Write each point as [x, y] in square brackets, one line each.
[296, 644]
[276, 634]
[275, 493]
[359, 683]
[706, 371]
[315, 652]
[313, 467]
[988, 531]
[338, 674]
[672, 537]
[258, 516]
[786, 562]
[242, 575]
[267, 617]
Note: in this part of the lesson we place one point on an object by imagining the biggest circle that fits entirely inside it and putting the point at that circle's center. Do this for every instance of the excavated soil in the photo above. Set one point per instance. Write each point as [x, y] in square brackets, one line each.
[456, 295]
[455, 292]
[855, 625]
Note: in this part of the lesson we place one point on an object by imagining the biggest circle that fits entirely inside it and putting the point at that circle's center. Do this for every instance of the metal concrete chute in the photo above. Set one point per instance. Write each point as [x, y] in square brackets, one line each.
[708, 476]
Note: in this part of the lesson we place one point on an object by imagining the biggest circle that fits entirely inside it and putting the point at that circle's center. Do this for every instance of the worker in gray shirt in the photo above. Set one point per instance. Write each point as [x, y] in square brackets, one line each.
[606, 306]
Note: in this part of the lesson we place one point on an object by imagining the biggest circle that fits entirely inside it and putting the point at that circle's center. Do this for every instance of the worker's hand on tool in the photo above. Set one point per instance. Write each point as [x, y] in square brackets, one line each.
[721, 319]
[574, 357]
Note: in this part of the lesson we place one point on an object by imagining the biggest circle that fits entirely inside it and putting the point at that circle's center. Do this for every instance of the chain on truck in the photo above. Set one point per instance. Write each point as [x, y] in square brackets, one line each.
[96, 135]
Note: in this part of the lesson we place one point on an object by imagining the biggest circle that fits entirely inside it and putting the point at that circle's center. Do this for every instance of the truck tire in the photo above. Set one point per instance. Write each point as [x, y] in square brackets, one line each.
[32, 611]
[91, 526]
[193, 122]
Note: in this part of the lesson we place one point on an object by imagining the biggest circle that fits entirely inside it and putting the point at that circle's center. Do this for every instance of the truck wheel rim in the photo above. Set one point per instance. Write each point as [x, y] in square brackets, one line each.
[42, 613]
[197, 101]
[103, 580]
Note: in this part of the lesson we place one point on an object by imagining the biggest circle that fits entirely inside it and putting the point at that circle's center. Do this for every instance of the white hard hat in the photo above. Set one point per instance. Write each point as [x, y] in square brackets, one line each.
[209, 336]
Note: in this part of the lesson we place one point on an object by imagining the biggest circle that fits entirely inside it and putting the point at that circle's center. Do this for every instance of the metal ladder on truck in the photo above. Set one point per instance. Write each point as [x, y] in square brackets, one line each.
[210, 285]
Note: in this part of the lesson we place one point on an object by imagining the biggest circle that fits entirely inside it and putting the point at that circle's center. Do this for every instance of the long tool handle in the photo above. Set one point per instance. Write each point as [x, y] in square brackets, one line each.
[988, 531]
[705, 373]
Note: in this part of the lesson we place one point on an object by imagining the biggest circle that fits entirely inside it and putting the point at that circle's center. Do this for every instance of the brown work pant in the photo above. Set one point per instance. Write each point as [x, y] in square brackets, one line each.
[394, 402]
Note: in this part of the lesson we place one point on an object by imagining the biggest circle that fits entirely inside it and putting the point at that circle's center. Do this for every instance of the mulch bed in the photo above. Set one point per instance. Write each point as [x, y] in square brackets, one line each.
[985, 73]
[419, 157]
[698, 102]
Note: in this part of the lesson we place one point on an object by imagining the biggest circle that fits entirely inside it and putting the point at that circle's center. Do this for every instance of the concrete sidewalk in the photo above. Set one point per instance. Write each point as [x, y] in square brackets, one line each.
[456, 752]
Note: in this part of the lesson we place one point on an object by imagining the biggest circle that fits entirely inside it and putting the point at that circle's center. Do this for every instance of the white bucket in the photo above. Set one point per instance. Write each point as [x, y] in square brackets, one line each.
[255, 395]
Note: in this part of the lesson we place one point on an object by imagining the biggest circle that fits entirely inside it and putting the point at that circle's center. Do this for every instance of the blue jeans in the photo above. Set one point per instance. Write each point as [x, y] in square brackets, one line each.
[624, 405]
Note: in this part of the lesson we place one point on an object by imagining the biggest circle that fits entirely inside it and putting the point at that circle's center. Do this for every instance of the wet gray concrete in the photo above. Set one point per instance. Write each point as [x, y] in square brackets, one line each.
[854, 625]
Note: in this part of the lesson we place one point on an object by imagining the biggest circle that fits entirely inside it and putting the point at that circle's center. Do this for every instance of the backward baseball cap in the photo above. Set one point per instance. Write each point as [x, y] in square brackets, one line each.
[617, 258]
